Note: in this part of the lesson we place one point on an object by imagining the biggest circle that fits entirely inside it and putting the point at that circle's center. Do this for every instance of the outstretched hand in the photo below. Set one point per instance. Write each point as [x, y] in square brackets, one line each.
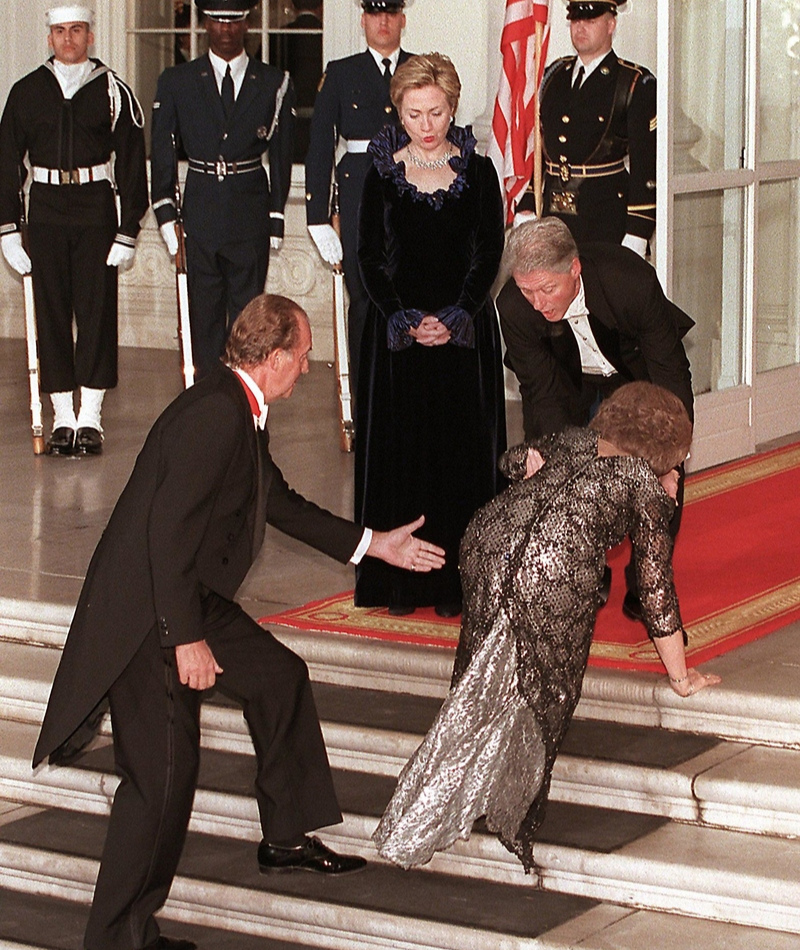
[197, 667]
[400, 548]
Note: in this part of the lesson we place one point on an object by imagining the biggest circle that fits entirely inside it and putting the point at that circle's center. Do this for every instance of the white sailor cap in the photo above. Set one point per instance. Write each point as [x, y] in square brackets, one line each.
[69, 14]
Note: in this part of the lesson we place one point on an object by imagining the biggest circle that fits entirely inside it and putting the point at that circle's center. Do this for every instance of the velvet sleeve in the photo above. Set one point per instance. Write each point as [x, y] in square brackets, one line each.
[374, 252]
[487, 238]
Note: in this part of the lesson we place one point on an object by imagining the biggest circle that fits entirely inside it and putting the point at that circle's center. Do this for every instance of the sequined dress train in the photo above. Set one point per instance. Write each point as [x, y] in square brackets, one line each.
[531, 566]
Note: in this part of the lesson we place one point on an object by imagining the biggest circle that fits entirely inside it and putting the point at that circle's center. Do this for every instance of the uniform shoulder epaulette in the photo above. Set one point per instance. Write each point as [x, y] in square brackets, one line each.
[634, 67]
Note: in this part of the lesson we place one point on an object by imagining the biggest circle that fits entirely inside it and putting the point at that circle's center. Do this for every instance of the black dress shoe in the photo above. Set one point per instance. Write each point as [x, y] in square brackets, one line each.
[311, 856]
[605, 586]
[447, 610]
[632, 607]
[400, 611]
[62, 441]
[89, 441]
[168, 943]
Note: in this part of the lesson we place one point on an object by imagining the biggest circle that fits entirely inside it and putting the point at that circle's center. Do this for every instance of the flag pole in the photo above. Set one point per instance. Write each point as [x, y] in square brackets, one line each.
[537, 128]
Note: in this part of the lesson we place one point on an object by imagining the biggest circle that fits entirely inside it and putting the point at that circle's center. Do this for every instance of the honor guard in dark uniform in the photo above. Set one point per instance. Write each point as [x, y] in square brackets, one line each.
[352, 106]
[598, 115]
[80, 129]
[226, 110]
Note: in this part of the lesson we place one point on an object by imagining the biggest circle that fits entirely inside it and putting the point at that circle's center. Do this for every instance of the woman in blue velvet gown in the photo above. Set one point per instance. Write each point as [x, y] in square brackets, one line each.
[430, 401]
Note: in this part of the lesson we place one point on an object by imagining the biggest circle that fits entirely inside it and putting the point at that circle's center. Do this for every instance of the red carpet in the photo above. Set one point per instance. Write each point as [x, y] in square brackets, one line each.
[737, 571]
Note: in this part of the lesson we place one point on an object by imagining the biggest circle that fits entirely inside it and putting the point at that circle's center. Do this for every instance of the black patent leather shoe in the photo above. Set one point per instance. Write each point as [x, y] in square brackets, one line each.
[311, 856]
[605, 586]
[62, 441]
[632, 607]
[447, 610]
[89, 441]
[400, 611]
[169, 943]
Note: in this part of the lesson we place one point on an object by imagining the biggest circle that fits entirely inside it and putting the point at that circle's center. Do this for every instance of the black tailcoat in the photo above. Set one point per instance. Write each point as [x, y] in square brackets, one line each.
[190, 519]
[636, 327]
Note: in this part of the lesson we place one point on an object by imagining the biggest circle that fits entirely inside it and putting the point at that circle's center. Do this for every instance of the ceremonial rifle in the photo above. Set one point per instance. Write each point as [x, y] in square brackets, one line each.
[182, 282]
[31, 340]
[347, 433]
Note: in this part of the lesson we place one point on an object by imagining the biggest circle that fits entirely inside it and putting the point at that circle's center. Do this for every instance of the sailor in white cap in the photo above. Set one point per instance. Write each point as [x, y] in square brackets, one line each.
[598, 117]
[80, 129]
[226, 110]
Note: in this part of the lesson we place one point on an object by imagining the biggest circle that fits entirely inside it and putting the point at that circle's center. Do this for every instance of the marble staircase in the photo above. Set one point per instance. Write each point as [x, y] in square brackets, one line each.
[672, 822]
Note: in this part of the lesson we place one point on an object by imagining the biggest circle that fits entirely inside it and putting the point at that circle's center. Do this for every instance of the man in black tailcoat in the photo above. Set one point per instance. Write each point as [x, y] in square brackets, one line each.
[226, 110]
[577, 324]
[352, 106]
[156, 624]
[598, 115]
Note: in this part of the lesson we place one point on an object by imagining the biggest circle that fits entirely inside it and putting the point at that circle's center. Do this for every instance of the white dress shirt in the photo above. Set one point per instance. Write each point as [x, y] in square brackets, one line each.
[238, 69]
[577, 316]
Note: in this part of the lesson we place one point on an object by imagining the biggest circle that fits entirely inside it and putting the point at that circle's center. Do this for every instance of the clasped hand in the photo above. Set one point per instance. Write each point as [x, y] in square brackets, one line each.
[430, 332]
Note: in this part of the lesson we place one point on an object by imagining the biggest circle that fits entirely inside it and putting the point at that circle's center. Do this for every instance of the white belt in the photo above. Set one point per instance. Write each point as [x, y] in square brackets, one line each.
[73, 176]
[357, 145]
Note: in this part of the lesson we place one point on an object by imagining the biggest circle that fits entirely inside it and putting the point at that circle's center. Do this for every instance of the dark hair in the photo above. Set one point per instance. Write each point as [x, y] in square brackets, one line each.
[427, 69]
[647, 421]
[268, 323]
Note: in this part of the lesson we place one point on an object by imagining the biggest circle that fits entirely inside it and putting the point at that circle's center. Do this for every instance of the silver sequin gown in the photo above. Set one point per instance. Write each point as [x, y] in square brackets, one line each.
[531, 566]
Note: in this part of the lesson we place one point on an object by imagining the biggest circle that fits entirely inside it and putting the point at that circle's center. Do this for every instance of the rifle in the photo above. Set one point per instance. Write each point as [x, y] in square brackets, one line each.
[31, 339]
[182, 282]
[347, 433]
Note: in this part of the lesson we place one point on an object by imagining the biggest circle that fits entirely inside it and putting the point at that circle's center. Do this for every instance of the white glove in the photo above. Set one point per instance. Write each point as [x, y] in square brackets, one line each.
[522, 217]
[638, 244]
[327, 241]
[14, 253]
[276, 243]
[120, 256]
[170, 237]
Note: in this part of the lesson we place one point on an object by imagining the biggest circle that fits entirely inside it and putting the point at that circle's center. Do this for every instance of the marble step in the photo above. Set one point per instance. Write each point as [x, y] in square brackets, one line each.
[676, 775]
[759, 704]
[34, 922]
[626, 858]
[55, 853]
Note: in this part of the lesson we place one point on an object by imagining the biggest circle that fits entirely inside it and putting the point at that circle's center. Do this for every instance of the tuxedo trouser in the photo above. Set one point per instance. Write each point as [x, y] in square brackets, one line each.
[71, 279]
[155, 722]
[222, 281]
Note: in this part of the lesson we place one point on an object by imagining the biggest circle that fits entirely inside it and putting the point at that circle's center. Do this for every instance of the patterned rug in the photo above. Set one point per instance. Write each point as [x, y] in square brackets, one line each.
[737, 571]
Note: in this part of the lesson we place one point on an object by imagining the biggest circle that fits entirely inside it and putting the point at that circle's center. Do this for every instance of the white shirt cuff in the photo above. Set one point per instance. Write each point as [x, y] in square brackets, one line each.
[363, 544]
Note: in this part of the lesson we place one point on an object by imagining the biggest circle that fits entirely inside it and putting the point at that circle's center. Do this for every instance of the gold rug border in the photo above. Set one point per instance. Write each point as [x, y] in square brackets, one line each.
[705, 486]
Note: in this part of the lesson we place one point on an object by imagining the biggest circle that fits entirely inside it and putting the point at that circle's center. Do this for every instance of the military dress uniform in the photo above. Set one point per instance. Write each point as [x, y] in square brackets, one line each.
[599, 144]
[85, 152]
[231, 206]
[351, 107]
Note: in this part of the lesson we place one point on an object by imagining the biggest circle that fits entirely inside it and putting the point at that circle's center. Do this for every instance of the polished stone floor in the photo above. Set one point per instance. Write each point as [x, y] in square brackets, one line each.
[53, 509]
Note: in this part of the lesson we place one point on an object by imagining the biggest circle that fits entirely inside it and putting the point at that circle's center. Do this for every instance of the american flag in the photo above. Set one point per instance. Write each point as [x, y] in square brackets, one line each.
[514, 137]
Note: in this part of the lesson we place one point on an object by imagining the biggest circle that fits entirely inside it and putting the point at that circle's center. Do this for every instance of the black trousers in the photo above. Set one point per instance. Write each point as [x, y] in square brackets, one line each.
[71, 279]
[221, 282]
[156, 747]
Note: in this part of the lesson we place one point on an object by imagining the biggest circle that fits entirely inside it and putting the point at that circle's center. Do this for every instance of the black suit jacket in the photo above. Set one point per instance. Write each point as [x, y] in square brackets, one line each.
[240, 207]
[637, 328]
[190, 518]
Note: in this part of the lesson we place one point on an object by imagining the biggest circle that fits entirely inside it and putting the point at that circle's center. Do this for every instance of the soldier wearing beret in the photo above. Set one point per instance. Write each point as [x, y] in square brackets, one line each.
[79, 127]
[352, 106]
[226, 110]
[598, 115]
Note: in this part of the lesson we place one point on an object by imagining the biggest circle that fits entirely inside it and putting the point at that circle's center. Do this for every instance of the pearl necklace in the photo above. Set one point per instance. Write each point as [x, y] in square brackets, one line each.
[436, 163]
